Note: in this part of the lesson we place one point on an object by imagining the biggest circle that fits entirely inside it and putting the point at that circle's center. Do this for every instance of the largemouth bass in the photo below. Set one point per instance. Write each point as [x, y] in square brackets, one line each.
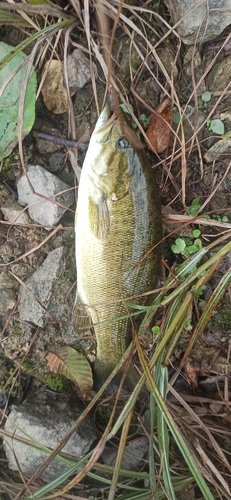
[118, 222]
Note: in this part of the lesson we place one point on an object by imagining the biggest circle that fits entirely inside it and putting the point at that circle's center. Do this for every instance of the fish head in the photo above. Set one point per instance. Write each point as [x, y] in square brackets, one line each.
[111, 154]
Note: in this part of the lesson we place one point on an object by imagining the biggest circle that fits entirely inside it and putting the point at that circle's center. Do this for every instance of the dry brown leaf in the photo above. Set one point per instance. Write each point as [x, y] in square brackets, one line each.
[73, 365]
[159, 130]
[192, 370]
[53, 90]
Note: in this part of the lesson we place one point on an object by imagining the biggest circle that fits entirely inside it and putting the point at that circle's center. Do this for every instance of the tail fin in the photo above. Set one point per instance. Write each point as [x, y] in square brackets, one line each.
[101, 373]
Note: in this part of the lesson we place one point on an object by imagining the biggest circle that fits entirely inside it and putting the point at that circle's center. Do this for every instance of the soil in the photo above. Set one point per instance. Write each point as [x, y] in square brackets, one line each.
[22, 362]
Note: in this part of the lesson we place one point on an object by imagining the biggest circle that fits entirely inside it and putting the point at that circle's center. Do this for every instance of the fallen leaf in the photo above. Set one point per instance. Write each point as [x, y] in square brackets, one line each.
[216, 407]
[73, 365]
[159, 130]
[10, 98]
[53, 90]
[192, 370]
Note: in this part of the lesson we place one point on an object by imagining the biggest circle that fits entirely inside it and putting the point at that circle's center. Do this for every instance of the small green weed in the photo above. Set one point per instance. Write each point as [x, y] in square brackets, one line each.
[144, 119]
[194, 208]
[14, 380]
[177, 118]
[220, 218]
[155, 330]
[206, 96]
[216, 126]
[186, 246]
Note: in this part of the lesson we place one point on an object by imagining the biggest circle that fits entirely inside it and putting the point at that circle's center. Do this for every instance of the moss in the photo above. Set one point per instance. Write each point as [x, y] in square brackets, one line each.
[17, 330]
[6, 167]
[27, 365]
[221, 319]
[55, 382]
[70, 269]
[6, 280]
[5, 373]
[9, 163]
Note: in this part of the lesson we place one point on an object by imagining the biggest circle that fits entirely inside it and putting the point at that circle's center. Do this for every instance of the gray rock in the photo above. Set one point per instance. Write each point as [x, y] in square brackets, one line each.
[46, 147]
[13, 212]
[194, 125]
[226, 118]
[219, 77]
[44, 211]
[55, 162]
[7, 300]
[133, 455]
[79, 70]
[199, 21]
[168, 61]
[193, 67]
[46, 417]
[40, 286]
[220, 148]
[6, 280]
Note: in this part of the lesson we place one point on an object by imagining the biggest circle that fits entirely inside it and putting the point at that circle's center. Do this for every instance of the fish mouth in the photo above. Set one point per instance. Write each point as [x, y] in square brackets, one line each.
[104, 117]
[115, 119]
[105, 122]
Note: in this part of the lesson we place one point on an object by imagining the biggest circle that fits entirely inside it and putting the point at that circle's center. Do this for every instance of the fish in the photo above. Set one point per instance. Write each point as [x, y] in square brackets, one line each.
[118, 232]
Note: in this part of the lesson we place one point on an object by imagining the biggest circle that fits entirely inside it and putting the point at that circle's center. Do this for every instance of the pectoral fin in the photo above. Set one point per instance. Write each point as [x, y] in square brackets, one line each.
[99, 218]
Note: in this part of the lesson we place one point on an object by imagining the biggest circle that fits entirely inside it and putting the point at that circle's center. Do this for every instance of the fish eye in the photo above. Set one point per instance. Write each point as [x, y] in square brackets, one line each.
[122, 143]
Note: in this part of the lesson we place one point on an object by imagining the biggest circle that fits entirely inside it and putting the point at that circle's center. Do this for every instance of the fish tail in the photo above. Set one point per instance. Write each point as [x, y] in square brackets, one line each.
[102, 373]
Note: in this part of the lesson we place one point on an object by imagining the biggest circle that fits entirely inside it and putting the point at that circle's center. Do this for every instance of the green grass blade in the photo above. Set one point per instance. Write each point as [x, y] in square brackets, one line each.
[163, 436]
[210, 306]
[179, 439]
[12, 19]
[48, 31]
[151, 462]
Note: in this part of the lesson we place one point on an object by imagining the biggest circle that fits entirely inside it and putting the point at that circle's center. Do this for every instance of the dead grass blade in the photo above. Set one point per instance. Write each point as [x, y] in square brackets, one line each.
[119, 456]
[42, 8]
[199, 421]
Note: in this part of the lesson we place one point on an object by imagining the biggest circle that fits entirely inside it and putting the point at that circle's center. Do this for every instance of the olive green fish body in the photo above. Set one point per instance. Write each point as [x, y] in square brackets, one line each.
[118, 223]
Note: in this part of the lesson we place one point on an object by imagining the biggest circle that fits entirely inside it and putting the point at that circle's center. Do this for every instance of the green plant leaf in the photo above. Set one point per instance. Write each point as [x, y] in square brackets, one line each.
[155, 330]
[227, 135]
[9, 100]
[176, 117]
[13, 19]
[179, 246]
[192, 249]
[217, 126]
[198, 243]
[195, 207]
[145, 120]
[206, 96]
[127, 108]
[196, 233]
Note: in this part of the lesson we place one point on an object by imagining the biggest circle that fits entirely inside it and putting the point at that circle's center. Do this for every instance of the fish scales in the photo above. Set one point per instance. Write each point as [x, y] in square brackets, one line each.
[118, 221]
